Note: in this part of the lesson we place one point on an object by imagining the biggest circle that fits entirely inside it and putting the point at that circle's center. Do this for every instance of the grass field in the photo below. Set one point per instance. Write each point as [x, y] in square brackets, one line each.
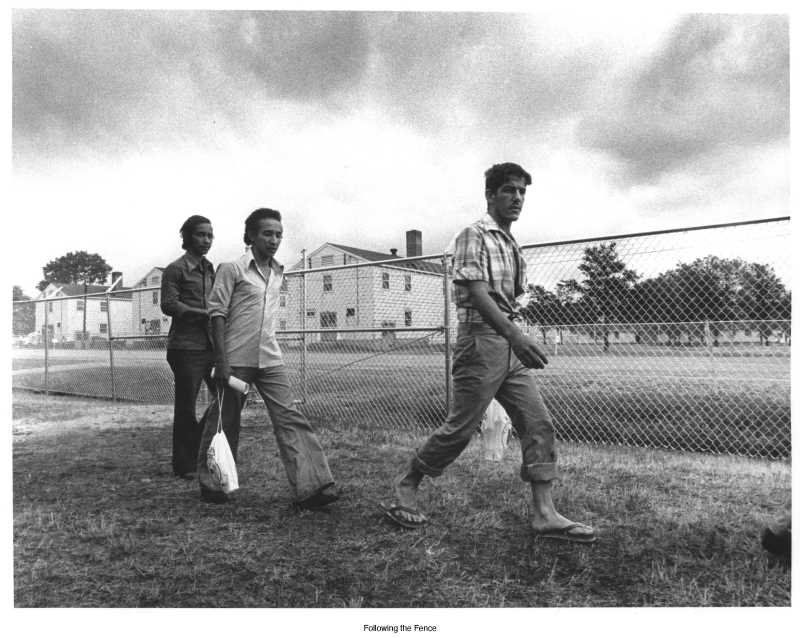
[102, 523]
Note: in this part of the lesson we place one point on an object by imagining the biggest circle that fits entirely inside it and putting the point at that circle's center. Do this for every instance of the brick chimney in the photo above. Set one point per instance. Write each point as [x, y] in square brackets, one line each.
[393, 251]
[413, 243]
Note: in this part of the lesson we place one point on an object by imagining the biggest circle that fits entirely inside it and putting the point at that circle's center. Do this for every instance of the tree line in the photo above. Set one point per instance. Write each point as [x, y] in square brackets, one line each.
[703, 294]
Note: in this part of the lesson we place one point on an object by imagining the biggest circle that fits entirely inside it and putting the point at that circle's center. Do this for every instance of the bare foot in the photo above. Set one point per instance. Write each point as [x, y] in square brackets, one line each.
[405, 491]
[553, 521]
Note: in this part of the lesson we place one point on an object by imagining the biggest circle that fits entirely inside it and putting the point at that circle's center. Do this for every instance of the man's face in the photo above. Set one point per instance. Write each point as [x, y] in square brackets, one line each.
[266, 238]
[200, 239]
[506, 203]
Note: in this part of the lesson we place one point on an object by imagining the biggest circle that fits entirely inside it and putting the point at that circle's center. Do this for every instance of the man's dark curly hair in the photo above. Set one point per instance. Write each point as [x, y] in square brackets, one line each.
[498, 175]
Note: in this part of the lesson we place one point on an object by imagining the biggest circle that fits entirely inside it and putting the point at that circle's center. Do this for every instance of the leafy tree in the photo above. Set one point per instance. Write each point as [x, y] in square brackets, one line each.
[544, 308]
[711, 290]
[606, 281]
[602, 295]
[762, 296]
[24, 320]
[75, 268]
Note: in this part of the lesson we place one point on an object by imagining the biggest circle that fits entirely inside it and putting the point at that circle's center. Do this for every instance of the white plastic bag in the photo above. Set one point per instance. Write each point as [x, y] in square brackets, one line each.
[219, 458]
[495, 428]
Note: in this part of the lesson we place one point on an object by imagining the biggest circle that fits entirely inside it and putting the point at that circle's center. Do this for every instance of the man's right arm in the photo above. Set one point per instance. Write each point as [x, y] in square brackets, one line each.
[529, 354]
[219, 303]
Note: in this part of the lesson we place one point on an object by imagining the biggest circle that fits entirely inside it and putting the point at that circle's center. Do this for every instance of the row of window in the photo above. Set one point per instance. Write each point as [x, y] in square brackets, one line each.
[79, 305]
[327, 282]
[349, 312]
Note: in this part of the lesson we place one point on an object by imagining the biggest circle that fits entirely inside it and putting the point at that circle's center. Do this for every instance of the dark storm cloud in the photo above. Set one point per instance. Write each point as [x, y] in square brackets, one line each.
[721, 81]
[494, 66]
[113, 81]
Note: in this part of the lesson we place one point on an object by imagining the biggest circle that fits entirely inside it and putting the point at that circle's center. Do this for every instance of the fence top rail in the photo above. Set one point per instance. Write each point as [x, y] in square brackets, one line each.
[396, 262]
[103, 295]
[657, 232]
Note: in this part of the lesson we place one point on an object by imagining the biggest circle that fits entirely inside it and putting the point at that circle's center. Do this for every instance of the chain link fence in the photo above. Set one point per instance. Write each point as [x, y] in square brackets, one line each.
[678, 340]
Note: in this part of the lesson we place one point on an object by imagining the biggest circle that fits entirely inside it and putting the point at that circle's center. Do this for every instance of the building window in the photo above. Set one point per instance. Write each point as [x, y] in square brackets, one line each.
[311, 312]
[385, 282]
[154, 280]
[103, 328]
[408, 317]
[282, 301]
[50, 306]
[326, 260]
[79, 304]
[103, 306]
[165, 320]
[350, 312]
[284, 285]
[155, 297]
[408, 282]
[282, 324]
[327, 283]
[748, 332]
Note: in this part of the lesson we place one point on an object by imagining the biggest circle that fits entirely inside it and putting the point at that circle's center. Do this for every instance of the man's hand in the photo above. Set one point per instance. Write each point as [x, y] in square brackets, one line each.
[529, 354]
[222, 372]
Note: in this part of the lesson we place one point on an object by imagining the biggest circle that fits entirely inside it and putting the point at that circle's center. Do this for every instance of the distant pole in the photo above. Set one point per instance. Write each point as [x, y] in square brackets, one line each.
[447, 354]
[110, 347]
[85, 303]
[45, 335]
[303, 352]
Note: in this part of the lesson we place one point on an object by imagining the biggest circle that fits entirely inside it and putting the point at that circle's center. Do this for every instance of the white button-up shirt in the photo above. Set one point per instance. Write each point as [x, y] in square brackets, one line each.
[248, 299]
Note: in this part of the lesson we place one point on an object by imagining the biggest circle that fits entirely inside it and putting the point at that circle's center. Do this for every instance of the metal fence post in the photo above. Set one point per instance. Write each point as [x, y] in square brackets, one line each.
[45, 335]
[303, 352]
[110, 348]
[447, 354]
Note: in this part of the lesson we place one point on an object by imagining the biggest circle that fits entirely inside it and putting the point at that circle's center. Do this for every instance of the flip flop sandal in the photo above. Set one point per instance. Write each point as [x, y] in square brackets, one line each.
[566, 534]
[391, 512]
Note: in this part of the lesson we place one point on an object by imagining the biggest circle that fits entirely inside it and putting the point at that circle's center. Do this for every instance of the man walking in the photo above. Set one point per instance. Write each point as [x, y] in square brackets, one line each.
[493, 359]
[242, 308]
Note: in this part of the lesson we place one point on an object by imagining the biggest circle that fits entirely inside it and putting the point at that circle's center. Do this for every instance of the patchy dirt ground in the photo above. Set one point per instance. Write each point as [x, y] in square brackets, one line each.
[38, 414]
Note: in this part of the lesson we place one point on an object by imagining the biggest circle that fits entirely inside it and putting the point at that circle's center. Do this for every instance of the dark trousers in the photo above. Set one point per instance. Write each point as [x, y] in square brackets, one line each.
[190, 368]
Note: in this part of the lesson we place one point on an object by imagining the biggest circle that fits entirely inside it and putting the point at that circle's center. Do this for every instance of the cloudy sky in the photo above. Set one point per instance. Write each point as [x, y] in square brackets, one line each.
[360, 126]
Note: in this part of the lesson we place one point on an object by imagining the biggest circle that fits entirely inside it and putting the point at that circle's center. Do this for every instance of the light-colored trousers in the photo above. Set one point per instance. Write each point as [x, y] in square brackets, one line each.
[300, 450]
[484, 367]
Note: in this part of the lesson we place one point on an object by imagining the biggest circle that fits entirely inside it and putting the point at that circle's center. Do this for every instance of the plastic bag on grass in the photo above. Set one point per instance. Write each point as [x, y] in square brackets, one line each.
[219, 458]
[494, 430]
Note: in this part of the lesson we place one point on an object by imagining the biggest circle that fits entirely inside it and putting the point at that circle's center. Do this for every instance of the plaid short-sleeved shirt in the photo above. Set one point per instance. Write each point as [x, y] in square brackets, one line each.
[484, 252]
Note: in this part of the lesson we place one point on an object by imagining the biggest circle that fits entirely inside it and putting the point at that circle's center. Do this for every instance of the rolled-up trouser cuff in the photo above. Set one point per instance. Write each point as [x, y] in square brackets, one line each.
[539, 472]
[420, 465]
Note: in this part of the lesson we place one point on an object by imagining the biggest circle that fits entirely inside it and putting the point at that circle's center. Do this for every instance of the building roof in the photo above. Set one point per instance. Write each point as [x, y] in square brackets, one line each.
[143, 281]
[371, 255]
[76, 290]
